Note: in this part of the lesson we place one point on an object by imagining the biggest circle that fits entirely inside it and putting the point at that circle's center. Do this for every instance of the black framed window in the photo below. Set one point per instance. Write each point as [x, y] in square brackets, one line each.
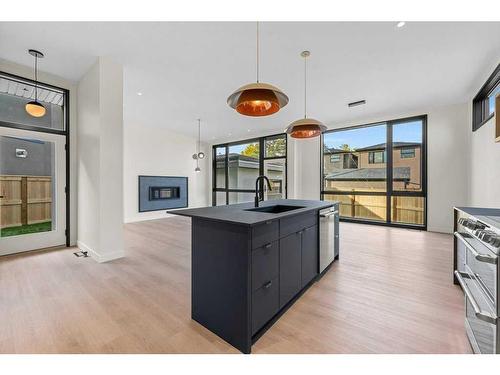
[382, 178]
[16, 92]
[483, 104]
[376, 157]
[334, 158]
[407, 153]
[236, 165]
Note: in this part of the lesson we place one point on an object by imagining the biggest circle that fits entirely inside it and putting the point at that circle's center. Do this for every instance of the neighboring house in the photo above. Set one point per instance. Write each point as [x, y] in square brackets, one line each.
[365, 168]
[26, 182]
[244, 170]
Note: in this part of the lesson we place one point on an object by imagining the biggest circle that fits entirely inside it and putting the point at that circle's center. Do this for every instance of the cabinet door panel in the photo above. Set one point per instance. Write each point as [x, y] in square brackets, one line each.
[265, 303]
[290, 267]
[309, 254]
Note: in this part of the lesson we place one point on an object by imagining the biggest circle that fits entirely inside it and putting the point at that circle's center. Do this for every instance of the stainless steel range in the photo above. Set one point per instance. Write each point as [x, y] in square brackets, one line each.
[475, 261]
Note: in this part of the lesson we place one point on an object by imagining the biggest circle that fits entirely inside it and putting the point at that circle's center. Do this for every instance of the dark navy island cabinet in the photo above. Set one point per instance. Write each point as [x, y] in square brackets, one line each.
[244, 276]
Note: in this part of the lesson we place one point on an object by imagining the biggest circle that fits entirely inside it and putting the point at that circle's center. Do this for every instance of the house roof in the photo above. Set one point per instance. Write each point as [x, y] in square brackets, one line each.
[333, 150]
[245, 161]
[378, 146]
[382, 146]
[369, 174]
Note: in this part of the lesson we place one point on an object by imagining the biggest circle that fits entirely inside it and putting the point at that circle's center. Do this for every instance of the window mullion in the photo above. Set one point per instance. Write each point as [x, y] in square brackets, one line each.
[389, 170]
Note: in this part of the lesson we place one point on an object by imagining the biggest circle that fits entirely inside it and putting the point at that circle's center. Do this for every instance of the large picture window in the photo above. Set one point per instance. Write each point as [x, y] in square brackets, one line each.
[378, 173]
[237, 165]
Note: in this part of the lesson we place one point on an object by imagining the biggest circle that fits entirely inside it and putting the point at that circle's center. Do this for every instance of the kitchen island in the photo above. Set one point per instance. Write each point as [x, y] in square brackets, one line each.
[250, 264]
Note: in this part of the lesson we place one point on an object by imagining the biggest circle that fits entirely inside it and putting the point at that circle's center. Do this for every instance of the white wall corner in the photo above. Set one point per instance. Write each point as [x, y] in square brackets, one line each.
[100, 257]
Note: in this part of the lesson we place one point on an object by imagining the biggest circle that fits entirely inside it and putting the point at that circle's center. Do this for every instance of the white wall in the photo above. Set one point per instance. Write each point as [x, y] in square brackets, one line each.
[100, 161]
[485, 167]
[27, 71]
[484, 160]
[151, 150]
[306, 164]
[88, 159]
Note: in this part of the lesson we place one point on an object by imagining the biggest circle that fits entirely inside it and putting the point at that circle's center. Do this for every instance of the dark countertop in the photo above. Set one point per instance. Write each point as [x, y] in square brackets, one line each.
[490, 216]
[236, 214]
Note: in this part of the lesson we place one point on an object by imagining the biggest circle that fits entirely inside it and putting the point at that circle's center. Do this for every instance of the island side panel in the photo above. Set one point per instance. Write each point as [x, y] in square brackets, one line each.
[221, 281]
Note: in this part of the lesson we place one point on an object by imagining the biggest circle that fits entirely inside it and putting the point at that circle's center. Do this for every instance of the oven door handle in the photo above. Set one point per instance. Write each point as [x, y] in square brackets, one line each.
[485, 316]
[480, 257]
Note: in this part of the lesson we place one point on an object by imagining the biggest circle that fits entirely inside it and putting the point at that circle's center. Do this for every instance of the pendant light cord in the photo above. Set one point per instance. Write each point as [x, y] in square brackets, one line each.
[199, 135]
[305, 86]
[257, 51]
[36, 76]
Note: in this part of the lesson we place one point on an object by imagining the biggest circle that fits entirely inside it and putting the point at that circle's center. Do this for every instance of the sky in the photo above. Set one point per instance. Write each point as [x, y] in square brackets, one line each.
[363, 137]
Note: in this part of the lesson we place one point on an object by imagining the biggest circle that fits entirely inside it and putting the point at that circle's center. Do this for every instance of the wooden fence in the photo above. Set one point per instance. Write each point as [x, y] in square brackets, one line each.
[25, 200]
[408, 210]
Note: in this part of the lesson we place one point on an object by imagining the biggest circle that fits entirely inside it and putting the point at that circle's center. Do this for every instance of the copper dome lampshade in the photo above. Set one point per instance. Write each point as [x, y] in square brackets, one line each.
[305, 127]
[34, 107]
[257, 99]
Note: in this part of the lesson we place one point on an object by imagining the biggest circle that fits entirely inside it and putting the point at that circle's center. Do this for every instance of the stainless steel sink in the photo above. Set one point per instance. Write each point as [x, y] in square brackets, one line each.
[276, 209]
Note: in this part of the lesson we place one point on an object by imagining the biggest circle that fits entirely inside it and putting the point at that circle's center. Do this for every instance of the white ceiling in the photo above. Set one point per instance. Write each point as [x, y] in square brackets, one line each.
[187, 70]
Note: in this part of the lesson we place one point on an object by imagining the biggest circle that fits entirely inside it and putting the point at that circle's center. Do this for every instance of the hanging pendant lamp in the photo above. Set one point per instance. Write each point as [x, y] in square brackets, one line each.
[257, 99]
[306, 127]
[35, 108]
[199, 154]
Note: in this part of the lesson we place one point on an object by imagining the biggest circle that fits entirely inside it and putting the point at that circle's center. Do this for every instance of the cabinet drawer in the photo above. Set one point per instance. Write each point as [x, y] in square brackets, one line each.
[265, 233]
[265, 264]
[289, 225]
[265, 303]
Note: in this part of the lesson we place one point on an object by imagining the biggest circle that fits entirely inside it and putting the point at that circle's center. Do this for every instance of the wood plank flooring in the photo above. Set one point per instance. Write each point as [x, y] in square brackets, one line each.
[391, 292]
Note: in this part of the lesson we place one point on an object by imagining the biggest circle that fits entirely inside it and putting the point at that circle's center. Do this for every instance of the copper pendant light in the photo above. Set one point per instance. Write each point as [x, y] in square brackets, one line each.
[306, 127]
[257, 99]
[34, 107]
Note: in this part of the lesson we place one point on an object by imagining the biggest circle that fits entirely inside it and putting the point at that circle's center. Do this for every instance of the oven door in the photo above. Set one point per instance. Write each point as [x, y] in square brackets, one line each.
[480, 317]
[481, 262]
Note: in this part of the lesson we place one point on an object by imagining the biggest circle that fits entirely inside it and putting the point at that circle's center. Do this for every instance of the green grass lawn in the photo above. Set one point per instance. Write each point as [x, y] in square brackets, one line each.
[26, 229]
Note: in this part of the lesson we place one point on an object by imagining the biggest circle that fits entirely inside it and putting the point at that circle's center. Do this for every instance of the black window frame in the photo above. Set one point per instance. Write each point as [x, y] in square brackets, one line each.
[390, 192]
[371, 157]
[480, 103]
[262, 158]
[349, 160]
[403, 151]
[336, 156]
[65, 133]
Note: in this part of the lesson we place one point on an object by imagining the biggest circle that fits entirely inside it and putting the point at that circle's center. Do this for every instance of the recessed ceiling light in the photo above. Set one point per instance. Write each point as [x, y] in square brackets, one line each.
[401, 23]
[139, 93]
[248, 130]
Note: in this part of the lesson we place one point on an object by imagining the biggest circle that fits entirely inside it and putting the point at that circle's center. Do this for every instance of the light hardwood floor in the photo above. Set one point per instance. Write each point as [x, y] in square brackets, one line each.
[391, 292]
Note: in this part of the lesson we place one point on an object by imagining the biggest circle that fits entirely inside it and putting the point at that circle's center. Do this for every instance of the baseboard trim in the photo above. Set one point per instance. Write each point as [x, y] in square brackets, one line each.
[100, 258]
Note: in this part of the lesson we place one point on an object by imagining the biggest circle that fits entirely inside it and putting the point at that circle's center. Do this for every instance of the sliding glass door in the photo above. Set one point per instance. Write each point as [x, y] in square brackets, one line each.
[377, 171]
[237, 165]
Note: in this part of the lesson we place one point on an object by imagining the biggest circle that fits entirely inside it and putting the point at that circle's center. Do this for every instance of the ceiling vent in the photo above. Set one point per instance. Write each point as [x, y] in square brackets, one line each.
[354, 104]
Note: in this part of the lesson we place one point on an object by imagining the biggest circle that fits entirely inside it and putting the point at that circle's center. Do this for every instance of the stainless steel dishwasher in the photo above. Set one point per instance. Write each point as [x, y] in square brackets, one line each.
[329, 236]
